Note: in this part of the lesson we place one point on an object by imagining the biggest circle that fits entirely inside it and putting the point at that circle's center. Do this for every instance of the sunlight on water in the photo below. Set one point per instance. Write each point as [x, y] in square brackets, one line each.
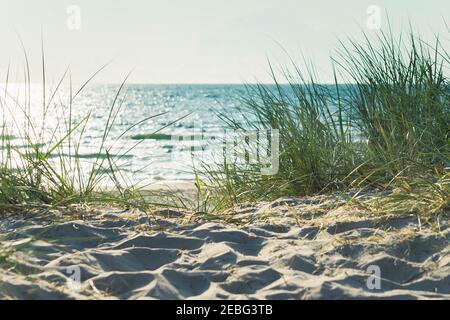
[157, 157]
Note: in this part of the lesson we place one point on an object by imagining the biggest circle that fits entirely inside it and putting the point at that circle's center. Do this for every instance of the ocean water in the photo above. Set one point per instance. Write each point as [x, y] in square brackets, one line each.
[159, 132]
[175, 110]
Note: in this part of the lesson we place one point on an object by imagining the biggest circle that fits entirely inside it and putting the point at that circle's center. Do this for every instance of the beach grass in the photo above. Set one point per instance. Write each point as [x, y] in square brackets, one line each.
[386, 127]
[43, 174]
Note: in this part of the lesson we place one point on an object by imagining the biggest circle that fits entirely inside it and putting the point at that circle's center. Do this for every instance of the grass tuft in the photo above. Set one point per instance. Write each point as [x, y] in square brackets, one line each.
[41, 166]
[387, 126]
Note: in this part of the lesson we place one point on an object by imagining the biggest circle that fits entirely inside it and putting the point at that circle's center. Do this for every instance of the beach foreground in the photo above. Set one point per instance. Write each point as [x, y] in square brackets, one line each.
[292, 248]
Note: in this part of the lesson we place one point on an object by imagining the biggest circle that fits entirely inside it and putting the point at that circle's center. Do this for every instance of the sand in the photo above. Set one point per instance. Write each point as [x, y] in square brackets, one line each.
[292, 248]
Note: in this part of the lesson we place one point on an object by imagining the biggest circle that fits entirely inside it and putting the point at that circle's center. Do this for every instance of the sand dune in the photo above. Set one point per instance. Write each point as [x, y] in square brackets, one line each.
[282, 250]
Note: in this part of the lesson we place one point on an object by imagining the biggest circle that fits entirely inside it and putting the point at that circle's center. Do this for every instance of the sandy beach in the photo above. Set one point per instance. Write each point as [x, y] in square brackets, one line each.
[292, 248]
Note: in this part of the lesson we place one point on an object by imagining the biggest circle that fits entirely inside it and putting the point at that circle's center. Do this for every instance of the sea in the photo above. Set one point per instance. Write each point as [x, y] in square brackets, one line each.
[147, 124]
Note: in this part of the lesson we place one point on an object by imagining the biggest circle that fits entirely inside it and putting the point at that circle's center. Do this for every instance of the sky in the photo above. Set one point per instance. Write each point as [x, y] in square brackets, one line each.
[194, 41]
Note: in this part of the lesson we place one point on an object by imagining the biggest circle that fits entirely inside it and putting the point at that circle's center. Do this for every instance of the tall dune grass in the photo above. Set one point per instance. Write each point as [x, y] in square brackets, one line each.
[47, 170]
[391, 122]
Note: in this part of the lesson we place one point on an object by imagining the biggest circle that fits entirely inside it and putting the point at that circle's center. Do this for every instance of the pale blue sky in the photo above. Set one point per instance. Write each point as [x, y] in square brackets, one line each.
[193, 41]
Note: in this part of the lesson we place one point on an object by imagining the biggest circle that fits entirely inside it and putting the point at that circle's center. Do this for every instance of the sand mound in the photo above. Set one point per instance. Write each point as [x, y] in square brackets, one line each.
[281, 250]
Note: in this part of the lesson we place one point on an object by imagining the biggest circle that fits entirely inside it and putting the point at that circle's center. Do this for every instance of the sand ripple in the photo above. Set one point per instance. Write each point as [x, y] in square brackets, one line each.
[283, 258]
